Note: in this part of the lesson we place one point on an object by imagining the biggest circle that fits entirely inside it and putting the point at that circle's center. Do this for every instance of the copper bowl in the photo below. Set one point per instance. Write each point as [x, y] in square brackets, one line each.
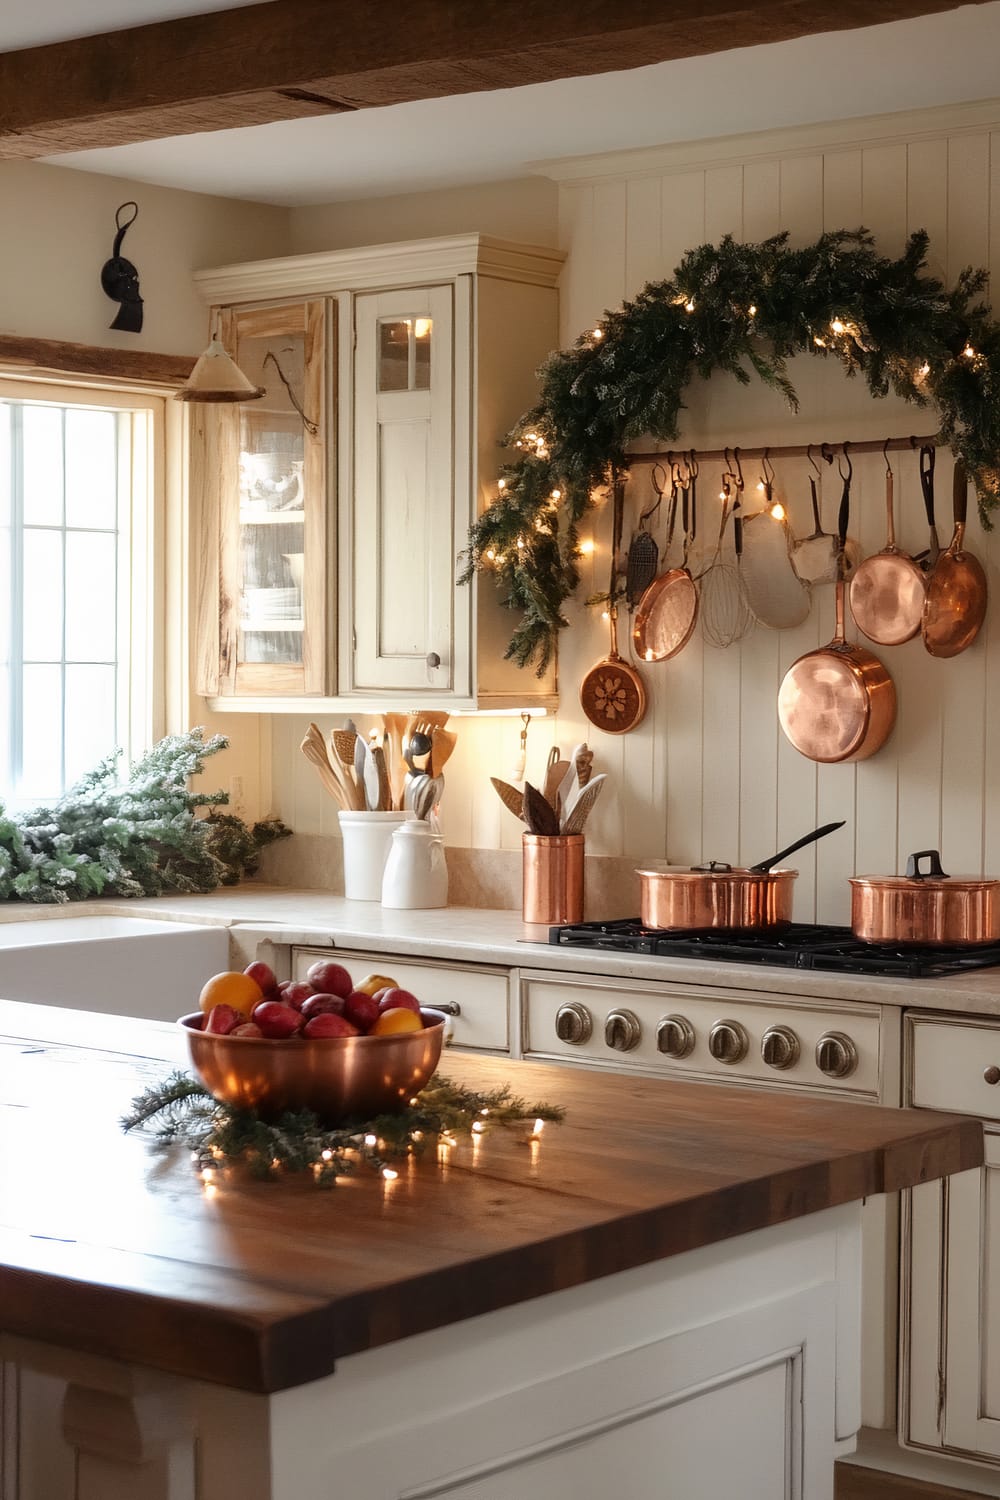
[337, 1077]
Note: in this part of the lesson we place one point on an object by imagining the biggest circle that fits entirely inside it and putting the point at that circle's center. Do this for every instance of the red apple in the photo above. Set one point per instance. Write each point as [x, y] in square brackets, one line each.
[222, 1019]
[322, 1005]
[263, 975]
[399, 1000]
[329, 978]
[328, 1024]
[249, 1028]
[276, 1020]
[298, 992]
[283, 985]
[361, 1009]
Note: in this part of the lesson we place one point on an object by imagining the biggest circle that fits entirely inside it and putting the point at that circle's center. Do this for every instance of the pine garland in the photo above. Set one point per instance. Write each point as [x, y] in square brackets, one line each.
[218, 1136]
[739, 308]
[142, 838]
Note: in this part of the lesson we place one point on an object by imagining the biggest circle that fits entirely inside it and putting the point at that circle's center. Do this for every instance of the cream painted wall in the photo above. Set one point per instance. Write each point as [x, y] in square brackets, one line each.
[526, 209]
[58, 230]
[708, 773]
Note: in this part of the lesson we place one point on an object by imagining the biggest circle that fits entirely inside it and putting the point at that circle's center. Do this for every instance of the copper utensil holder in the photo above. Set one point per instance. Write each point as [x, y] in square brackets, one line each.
[552, 890]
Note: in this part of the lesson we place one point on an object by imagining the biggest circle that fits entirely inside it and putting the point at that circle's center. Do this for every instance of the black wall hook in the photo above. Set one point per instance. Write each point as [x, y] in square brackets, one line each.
[119, 277]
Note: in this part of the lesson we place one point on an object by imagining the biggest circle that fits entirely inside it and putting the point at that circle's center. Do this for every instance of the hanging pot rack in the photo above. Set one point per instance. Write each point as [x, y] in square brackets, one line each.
[790, 450]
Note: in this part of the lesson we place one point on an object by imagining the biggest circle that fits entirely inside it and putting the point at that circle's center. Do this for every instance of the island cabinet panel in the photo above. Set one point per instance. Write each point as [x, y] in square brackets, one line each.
[950, 1394]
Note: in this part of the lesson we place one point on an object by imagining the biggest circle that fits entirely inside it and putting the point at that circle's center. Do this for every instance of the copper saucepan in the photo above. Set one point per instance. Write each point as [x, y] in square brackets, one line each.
[925, 906]
[721, 897]
[837, 703]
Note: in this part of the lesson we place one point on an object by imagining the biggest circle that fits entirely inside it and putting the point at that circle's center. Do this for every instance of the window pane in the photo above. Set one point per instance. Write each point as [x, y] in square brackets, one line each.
[41, 756]
[90, 718]
[422, 354]
[91, 596]
[43, 582]
[394, 354]
[4, 611]
[91, 469]
[4, 467]
[43, 465]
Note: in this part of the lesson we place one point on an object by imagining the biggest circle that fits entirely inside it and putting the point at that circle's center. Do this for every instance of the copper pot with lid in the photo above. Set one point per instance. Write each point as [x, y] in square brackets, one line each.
[722, 897]
[925, 906]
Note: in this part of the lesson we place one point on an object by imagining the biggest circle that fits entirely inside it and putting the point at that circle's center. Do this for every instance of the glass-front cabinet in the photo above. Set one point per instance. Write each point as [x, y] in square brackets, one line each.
[333, 510]
[266, 504]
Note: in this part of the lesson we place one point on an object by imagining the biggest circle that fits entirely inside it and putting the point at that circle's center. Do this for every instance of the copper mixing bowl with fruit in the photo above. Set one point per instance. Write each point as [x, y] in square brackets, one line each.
[353, 1054]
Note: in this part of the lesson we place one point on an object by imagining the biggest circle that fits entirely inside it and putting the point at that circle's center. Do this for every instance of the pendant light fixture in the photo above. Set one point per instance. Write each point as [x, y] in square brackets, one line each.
[217, 377]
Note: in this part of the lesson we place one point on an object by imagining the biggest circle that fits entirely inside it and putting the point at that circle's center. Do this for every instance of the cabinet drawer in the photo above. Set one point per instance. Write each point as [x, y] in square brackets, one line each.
[479, 1020]
[948, 1058]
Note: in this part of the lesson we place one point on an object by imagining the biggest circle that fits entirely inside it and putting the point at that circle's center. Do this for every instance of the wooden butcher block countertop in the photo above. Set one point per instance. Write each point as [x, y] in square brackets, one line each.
[108, 1247]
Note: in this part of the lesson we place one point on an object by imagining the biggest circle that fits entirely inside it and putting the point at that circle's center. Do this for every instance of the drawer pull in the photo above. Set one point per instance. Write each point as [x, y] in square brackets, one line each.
[992, 1073]
[448, 1007]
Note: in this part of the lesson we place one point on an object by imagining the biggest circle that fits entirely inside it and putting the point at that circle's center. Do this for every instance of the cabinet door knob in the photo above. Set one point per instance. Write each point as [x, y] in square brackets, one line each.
[992, 1073]
[433, 660]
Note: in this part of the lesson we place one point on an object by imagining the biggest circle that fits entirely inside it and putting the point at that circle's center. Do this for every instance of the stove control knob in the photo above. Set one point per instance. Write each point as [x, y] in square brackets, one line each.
[573, 1023]
[779, 1047]
[728, 1042]
[675, 1036]
[622, 1030]
[836, 1054]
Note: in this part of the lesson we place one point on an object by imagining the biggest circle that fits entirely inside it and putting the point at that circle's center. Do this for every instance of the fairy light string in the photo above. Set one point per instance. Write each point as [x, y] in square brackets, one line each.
[742, 309]
[181, 1113]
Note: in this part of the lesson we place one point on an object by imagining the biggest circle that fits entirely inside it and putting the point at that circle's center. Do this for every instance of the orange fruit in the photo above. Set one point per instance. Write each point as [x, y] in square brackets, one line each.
[231, 988]
[373, 982]
[390, 1022]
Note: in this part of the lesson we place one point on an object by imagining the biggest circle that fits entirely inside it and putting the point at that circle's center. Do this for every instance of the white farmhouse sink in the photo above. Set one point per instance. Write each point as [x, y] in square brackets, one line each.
[126, 966]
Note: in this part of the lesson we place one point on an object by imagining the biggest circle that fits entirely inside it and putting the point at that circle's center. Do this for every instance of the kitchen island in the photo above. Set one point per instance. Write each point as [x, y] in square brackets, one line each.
[664, 1284]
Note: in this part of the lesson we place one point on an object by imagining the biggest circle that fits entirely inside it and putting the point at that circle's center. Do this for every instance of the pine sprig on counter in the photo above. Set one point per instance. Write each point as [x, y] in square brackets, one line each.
[183, 1113]
[743, 309]
[141, 837]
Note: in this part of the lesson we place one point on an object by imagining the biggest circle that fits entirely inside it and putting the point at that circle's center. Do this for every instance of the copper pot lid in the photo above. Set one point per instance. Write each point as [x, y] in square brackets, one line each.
[915, 878]
[717, 870]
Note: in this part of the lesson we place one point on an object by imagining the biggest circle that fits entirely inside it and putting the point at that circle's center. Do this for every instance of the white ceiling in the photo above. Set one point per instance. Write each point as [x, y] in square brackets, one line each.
[435, 143]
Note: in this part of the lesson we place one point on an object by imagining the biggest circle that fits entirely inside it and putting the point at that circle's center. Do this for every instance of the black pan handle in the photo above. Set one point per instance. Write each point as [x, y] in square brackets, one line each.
[933, 871]
[960, 493]
[810, 838]
[927, 481]
[844, 516]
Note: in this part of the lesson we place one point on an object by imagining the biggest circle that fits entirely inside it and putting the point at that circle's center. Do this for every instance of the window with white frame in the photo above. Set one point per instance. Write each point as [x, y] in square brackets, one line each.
[77, 582]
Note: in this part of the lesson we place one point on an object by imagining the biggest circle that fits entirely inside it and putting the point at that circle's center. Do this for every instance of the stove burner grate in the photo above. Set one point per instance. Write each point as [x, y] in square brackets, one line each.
[799, 946]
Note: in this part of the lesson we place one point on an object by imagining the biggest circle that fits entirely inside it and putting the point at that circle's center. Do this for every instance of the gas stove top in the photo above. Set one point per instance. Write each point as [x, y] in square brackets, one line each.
[798, 946]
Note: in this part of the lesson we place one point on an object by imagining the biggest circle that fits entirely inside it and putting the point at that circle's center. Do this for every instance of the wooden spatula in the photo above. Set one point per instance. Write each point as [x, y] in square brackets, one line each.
[540, 817]
[512, 799]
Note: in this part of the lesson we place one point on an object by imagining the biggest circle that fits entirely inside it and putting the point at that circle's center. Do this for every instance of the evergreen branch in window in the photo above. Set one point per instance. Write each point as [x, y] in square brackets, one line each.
[311, 427]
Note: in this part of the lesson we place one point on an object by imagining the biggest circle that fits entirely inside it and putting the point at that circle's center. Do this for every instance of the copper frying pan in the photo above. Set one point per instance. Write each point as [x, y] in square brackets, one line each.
[837, 703]
[955, 605]
[888, 590]
[668, 610]
[612, 694]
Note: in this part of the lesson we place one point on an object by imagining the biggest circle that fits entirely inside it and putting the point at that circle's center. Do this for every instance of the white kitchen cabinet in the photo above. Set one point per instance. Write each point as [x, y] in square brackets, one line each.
[950, 1391]
[475, 998]
[431, 352]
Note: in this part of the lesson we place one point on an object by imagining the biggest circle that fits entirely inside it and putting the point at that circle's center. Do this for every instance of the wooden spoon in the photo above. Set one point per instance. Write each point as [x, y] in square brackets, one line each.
[443, 742]
[313, 747]
[512, 799]
[539, 816]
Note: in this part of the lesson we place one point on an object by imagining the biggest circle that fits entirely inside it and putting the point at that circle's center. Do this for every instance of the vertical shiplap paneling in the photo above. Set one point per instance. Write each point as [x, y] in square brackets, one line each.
[801, 213]
[836, 786]
[963, 701]
[991, 799]
[919, 681]
[721, 668]
[645, 752]
[883, 211]
[761, 649]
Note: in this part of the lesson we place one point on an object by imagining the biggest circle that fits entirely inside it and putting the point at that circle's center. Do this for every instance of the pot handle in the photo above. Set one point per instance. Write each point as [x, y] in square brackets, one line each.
[933, 871]
[810, 838]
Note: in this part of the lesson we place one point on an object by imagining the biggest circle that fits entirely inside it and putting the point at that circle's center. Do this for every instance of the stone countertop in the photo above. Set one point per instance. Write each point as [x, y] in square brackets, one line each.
[117, 1252]
[500, 939]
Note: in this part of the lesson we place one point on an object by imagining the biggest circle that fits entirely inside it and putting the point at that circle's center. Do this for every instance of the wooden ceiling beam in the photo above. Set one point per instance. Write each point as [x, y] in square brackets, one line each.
[290, 58]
